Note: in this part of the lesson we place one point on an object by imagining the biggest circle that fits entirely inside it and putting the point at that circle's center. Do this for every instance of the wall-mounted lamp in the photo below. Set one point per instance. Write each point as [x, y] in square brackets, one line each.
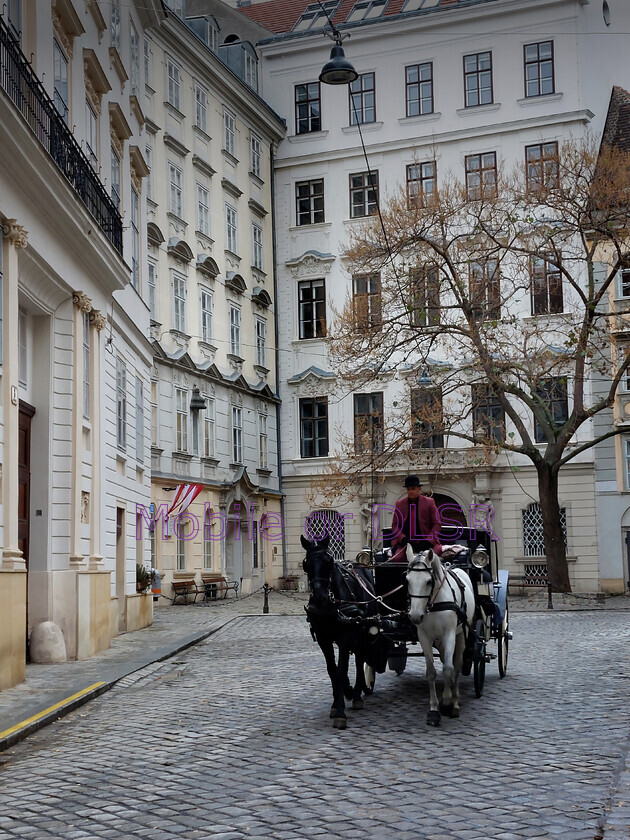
[425, 380]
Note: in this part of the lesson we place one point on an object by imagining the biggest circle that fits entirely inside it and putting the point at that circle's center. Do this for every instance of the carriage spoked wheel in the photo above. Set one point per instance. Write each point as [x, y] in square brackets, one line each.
[502, 644]
[479, 660]
[370, 678]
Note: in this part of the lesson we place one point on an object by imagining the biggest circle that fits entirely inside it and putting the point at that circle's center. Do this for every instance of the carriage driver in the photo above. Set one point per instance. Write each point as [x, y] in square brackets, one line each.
[416, 520]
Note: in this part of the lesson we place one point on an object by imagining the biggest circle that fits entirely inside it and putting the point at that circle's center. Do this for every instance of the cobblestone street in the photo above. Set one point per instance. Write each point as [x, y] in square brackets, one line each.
[231, 739]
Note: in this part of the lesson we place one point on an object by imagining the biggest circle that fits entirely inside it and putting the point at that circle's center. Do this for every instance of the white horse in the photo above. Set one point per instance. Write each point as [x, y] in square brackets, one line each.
[442, 608]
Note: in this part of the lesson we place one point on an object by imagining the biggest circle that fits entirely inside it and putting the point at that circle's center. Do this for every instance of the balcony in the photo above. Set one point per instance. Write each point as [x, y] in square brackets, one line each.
[29, 97]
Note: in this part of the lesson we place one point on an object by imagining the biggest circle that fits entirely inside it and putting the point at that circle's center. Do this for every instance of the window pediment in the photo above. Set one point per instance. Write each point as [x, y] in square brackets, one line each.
[96, 81]
[310, 264]
[235, 281]
[154, 234]
[179, 248]
[66, 23]
[261, 296]
[207, 266]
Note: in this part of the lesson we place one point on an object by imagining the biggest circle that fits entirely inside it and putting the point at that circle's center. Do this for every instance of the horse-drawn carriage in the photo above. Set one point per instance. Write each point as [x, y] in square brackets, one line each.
[378, 609]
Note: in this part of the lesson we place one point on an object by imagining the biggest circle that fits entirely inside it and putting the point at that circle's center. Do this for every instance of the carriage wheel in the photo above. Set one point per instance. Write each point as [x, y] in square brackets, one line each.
[370, 678]
[502, 643]
[480, 657]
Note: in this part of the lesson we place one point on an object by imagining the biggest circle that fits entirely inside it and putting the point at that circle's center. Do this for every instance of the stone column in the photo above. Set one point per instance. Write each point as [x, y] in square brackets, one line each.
[15, 237]
[82, 303]
[96, 558]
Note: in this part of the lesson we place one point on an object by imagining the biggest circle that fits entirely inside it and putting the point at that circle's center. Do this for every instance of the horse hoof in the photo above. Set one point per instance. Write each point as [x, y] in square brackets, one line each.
[433, 718]
[333, 712]
[339, 723]
[455, 712]
[447, 709]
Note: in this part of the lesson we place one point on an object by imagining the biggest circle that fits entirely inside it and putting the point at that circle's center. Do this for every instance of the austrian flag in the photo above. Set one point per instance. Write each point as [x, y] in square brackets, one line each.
[184, 496]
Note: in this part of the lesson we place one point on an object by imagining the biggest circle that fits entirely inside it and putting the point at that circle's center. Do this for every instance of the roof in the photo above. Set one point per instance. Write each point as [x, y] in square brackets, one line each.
[280, 16]
[617, 127]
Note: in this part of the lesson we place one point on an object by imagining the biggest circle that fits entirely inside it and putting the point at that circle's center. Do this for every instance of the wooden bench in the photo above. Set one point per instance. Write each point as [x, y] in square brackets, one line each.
[213, 585]
[184, 588]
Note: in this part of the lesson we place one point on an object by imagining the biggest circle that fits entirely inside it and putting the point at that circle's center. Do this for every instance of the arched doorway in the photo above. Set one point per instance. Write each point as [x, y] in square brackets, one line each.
[451, 512]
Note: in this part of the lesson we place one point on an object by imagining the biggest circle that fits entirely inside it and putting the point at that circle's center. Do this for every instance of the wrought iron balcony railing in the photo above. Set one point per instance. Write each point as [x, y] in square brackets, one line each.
[38, 110]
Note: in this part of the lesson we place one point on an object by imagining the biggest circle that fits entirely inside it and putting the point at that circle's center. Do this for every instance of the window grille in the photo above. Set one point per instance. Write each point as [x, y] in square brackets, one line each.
[535, 574]
[328, 522]
[533, 539]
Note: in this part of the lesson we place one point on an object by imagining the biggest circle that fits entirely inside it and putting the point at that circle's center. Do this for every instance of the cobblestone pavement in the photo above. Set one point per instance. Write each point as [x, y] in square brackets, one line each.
[231, 739]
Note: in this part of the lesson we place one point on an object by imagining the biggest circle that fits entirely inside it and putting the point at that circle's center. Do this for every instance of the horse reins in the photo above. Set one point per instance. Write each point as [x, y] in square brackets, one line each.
[433, 593]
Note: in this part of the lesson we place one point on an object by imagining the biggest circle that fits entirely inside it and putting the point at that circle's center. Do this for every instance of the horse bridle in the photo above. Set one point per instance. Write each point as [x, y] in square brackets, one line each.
[433, 593]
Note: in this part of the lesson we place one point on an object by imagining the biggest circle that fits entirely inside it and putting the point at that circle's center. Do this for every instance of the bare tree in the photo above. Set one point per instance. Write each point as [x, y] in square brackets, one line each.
[505, 280]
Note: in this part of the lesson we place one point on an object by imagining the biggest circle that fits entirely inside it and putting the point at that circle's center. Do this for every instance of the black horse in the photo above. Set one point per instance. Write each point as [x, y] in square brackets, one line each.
[342, 598]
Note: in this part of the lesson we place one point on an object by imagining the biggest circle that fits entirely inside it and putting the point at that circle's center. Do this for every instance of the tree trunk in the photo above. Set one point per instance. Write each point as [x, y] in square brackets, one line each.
[555, 550]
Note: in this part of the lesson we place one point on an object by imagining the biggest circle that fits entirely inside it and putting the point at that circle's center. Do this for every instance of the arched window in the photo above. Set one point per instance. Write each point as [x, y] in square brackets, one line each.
[322, 523]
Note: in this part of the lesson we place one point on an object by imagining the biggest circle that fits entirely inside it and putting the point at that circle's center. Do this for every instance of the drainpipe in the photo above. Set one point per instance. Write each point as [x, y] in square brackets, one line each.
[277, 354]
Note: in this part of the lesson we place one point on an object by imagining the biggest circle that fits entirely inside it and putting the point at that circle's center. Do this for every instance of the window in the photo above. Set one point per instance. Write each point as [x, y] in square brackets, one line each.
[181, 428]
[174, 83]
[368, 422]
[91, 135]
[139, 419]
[553, 394]
[87, 350]
[135, 241]
[149, 162]
[425, 297]
[362, 94]
[366, 301]
[624, 282]
[481, 175]
[207, 306]
[419, 89]
[207, 541]
[254, 545]
[478, 79]
[155, 437]
[235, 331]
[257, 246]
[307, 108]
[316, 15]
[175, 175]
[538, 59]
[329, 522]
[134, 60]
[263, 460]
[181, 528]
[366, 10]
[230, 229]
[488, 414]
[251, 71]
[153, 290]
[309, 197]
[541, 166]
[261, 342]
[255, 149]
[229, 133]
[206, 29]
[208, 429]
[314, 427]
[22, 347]
[201, 108]
[60, 71]
[179, 302]
[546, 283]
[485, 290]
[115, 178]
[363, 194]
[421, 183]
[115, 23]
[237, 435]
[121, 404]
[427, 419]
[312, 308]
[533, 538]
[203, 210]
[148, 68]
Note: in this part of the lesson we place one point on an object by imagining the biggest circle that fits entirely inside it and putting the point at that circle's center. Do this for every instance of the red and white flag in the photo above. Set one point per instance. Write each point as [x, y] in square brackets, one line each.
[184, 495]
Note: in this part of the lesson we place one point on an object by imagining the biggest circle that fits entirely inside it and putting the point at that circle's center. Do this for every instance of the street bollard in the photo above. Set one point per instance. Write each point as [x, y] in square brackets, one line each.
[549, 597]
[266, 589]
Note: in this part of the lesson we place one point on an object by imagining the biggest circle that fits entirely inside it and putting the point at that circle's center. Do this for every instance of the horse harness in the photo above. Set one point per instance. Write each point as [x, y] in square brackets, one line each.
[443, 606]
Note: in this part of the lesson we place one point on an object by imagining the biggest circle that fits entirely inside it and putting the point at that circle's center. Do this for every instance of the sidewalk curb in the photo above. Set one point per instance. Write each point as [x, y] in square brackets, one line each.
[82, 695]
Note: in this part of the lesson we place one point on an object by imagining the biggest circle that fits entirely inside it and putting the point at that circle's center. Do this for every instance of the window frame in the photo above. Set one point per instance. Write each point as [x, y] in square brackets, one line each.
[484, 284]
[359, 95]
[419, 86]
[419, 195]
[206, 310]
[231, 228]
[482, 397]
[173, 83]
[477, 75]
[87, 371]
[548, 176]
[203, 209]
[181, 419]
[179, 301]
[260, 327]
[538, 62]
[257, 247]
[310, 311]
[545, 277]
[369, 185]
[311, 213]
[237, 435]
[201, 108]
[139, 419]
[558, 403]
[425, 434]
[373, 419]
[311, 104]
[235, 330]
[263, 447]
[121, 404]
[176, 189]
[135, 239]
[425, 296]
[209, 420]
[229, 133]
[316, 439]
[366, 301]
[483, 190]
[255, 160]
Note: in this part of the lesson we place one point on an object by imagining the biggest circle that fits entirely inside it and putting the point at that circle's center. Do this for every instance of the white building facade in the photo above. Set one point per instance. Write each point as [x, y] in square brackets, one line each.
[210, 143]
[442, 87]
[73, 316]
